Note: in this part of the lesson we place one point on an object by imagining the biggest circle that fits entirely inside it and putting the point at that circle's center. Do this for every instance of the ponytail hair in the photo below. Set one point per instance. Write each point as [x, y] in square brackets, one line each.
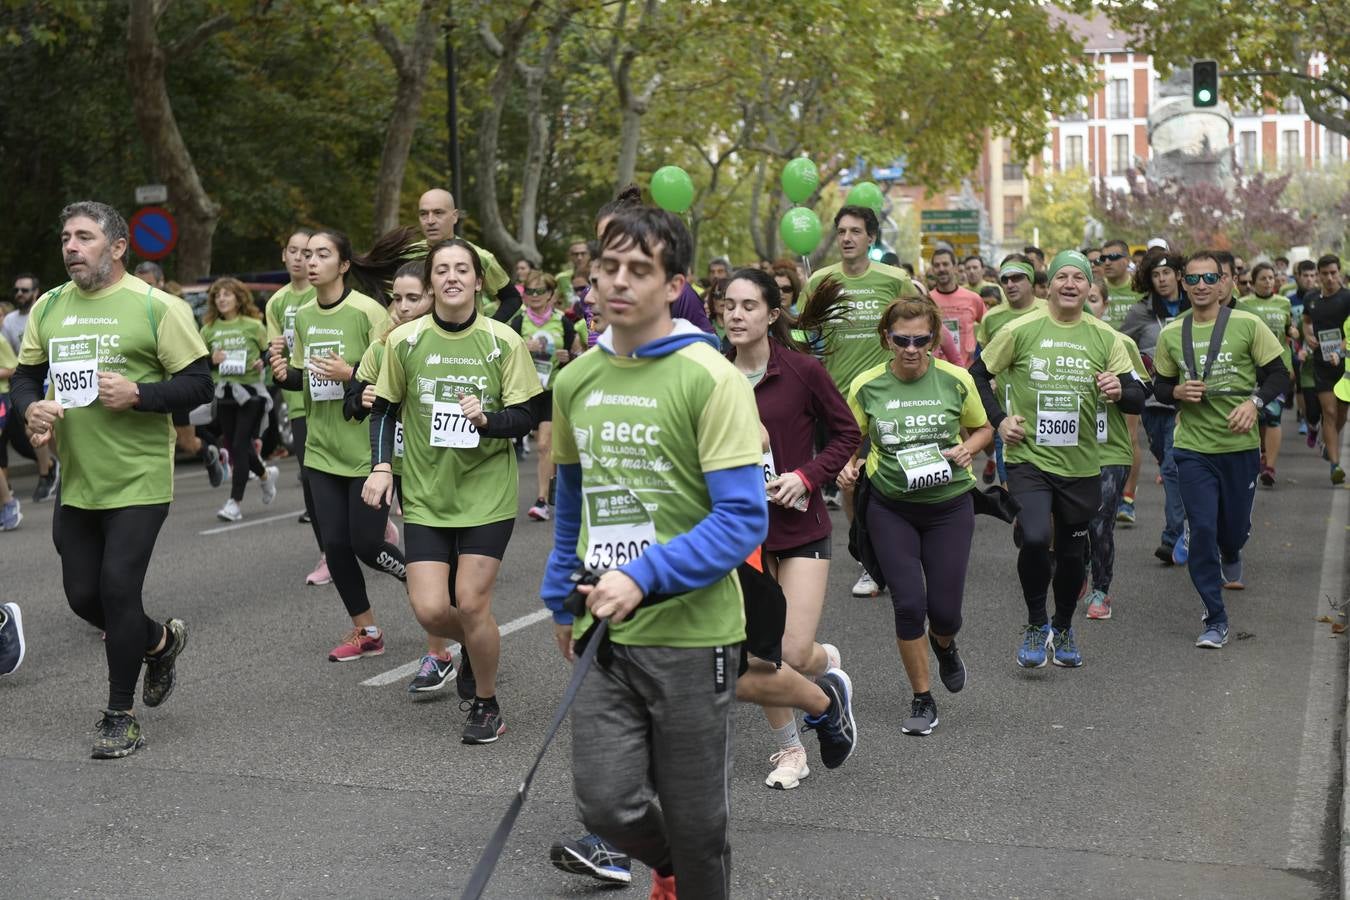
[824, 309]
[780, 329]
[373, 272]
[629, 196]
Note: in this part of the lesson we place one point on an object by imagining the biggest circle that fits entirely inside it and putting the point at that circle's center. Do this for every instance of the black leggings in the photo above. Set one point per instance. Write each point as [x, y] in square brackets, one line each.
[1034, 564]
[239, 426]
[104, 557]
[923, 550]
[352, 530]
[299, 431]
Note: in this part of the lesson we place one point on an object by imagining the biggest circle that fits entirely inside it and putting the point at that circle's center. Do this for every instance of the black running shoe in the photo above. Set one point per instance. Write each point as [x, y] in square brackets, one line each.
[465, 684]
[159, 677]
[923, 717]
[951, 668]
[1163, 554]
[46, 485]
[836, 729]
[590, 855]
[304, 518]
[119, 735]
[215, 469]
[431, 675]
[485, 723]
[11, 638]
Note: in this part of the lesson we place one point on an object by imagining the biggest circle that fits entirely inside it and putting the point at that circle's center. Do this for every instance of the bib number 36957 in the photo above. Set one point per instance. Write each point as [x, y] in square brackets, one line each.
[619, 529]
[73, 368]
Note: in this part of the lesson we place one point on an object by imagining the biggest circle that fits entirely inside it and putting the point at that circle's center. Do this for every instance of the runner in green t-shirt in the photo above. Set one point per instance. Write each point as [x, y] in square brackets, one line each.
[919, 514]
[1220, 392]
[437, 217]
[122, 356]
[1120, 292]
[237, 340]
[332, 332]
[1016, 278]
[1053, 368]
[1275, 310]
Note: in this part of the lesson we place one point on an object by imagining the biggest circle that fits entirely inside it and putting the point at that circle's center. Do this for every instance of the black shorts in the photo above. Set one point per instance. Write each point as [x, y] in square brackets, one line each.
[541, 407]
[1326, 375]
[1074, 500]
[765, 616]
[818, 549]
[428, 543]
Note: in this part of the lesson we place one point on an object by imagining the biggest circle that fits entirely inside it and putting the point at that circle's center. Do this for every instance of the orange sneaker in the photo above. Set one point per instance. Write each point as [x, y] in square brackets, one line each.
[663, 887]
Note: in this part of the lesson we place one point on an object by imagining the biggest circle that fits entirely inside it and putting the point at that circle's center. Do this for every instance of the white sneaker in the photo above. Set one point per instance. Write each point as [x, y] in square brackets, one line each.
[865, 586]
[832, 654]
[269, 487]
[791, 769]
[230, 512]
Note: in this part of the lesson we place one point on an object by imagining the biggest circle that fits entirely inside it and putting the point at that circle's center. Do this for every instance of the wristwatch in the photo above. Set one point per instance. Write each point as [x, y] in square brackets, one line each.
[1257, 402]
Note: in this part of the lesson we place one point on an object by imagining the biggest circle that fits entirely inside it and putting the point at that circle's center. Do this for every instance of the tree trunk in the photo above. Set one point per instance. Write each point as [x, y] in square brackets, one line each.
[633, 105]
[411, 64]
[196, 212]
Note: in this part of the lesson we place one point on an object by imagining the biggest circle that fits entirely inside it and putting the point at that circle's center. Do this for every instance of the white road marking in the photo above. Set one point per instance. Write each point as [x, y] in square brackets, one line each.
[409, 669]
[251, 522]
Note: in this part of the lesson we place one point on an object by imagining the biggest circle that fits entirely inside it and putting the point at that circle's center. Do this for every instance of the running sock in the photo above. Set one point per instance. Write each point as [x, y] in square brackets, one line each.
[1127, 498]
[489, 702]
[168, 643]
[926, 695]
[787, 736]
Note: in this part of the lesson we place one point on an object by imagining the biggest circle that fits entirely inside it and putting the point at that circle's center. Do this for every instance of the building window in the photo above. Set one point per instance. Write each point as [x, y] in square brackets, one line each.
[1247, 150]
[1120, 153]
[1012, 170]
[1291, 104]
[1289, 154]
[1118, 98]
[1079, 112]
[1335, 146]
[1073, 152]
[1012, 213]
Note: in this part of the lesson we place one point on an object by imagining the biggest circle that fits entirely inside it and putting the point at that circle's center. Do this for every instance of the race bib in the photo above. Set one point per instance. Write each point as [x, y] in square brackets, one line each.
[1101, 422]
[618, 528]
[924, 467]
[770, 470]
[234, 362]
[73, 370]
[1057, 418]
[321, 388]
[953, 327]
[289, 336]
[543, 368]
[449, 426]
[1329, 341]
[398, 439]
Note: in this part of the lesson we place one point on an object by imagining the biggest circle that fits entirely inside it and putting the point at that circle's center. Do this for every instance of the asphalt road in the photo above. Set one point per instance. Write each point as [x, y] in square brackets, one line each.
[1156, 770]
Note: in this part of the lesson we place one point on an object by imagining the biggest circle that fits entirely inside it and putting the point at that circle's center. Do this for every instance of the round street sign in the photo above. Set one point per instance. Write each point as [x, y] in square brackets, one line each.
[153, 232]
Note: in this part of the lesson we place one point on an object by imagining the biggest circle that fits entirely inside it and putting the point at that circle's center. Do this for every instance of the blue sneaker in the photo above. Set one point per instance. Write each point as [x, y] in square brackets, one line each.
[11, 638]
[10, 517]
[1213, 637]
[1066, 648]
[1181, 550]
[590, 855]
[1231, 572]
[1035, 646]
[1125, 513]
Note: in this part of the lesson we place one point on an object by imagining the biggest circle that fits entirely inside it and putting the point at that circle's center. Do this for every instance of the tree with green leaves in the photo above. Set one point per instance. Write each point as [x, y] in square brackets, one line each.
[1058, 207]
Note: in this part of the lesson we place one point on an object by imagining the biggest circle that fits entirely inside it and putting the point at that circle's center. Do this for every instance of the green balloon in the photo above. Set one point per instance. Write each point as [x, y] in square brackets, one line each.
[800, 179]
[800, 230]
[672, 189]
[867, 194]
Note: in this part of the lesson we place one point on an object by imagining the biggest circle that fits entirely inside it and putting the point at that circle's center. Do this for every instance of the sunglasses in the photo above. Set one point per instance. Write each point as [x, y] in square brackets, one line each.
[1207, 278]
[19, 290]
[904, 341]
[1009, 279]
[1111, 257]
[536, 292]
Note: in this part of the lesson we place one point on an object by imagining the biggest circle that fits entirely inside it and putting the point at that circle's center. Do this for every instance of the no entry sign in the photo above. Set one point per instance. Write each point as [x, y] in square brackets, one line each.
[153, 232]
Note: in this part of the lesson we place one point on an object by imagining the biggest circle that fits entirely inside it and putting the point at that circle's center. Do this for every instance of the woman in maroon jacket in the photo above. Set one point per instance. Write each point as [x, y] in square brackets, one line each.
[794, 394]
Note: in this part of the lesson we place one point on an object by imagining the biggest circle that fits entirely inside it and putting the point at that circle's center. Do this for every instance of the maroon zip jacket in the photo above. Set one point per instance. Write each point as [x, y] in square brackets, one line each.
[796, 393]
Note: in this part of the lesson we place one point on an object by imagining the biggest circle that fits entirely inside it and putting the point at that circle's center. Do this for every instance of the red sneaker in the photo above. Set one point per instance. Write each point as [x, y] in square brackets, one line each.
[356, 645]
[663, 887]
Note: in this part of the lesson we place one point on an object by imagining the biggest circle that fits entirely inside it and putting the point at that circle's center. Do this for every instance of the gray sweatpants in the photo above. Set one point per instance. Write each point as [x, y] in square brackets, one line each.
[652, 727]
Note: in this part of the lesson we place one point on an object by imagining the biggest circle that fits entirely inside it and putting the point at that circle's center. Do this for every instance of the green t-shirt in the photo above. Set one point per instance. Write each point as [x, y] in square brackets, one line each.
[1001, 315]
[644, 431]
[1051, 381]
[910, 423]
[280, 315]
[243, 339]
[1277, 313]
[111, 459]
[453, 477]
[1247, 344]
[853, 346]
[8, 360]
[333, 444]
[369, 372]
[552, 335]
[1113, 432]
[1119, 299]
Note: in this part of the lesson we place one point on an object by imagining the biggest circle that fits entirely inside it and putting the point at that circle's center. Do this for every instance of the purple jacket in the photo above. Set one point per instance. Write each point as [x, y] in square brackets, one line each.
[689, 306]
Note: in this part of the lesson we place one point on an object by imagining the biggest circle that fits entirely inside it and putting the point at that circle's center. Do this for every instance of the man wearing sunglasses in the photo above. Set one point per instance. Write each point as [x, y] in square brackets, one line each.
[1324, 315]
[26, 291]
[1120, 292]
[1221, 367]
[1053, 369]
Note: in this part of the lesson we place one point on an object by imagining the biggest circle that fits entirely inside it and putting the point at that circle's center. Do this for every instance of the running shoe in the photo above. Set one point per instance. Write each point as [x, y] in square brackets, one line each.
[304, 518]
[159, 670]
[11, 638]
[465, 684]
[539, 512]
[10, 516]
[119, 735]
[227, 467]
[1181, 550]
[485, 723]
[230, 511]
[1067, 654]
[1231, 571]
[1125, 514]
[1164, 554]
[923, 717]
[1302, 427]
[836, 728]
[990, 470]
[215, 467]
[356, 645]
[1035, 644]
[390, 532]
[1312, 436]
[1213, 637]
[1337, 474]
[865, 586]
[431, 675]
[590, 855]
[663, 887]
[320, 575]
[46, 485]
[1098, 605]
[951, 668]
[789, 768]
[269, 487]
[1267, 476]
[832, 656]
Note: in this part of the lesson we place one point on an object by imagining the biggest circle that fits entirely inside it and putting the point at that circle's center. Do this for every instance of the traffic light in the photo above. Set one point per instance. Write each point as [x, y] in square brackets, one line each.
[876, 253]
[1204, 83]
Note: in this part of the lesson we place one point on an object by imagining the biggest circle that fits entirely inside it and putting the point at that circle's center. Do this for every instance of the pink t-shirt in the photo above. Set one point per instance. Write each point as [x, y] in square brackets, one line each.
[960, 309]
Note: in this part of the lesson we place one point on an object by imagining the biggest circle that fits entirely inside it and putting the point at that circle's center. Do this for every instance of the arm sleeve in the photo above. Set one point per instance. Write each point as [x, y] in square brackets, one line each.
[512, 422]
[352, 410]
[1132, 395]
[508, 303]
[1163, 386]
[984, 383]
[828, 406]
[25, 387]
[185, 390]
[737, 523]
[562, 559]
[294, 380]
[383, 418]
[1272, 380]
